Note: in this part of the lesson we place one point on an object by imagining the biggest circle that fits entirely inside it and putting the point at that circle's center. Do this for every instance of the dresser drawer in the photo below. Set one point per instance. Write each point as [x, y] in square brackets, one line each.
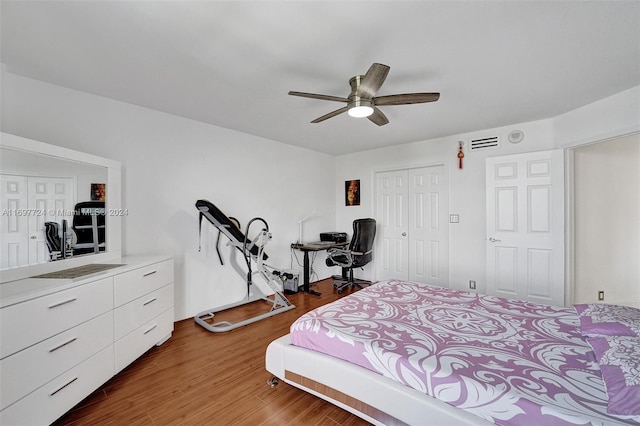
[29, 369]
[58, 396]
[138, 312]
[134, 344]
[137, 283]
[27, 323]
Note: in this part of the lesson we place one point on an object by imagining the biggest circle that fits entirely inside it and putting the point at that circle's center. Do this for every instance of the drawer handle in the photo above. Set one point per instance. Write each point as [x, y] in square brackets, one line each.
[62, 303]
[63, 386]
[149, 330]
[149, 273]
[150, 301]
[63, 344]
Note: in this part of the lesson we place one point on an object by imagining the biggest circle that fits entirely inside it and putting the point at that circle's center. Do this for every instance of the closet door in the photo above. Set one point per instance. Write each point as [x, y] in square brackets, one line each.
[412, 241]
[393, 227]
[14, 233]
[53, 200]
[27, 203]
[428, 232]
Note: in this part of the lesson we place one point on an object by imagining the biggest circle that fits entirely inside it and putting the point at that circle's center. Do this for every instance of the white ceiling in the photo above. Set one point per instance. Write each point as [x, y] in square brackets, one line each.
[231, 63]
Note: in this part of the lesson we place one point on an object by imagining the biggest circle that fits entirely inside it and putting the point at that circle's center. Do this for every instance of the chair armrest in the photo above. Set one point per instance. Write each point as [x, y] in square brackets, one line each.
[341, 257]
[338, 250]
[361, 253]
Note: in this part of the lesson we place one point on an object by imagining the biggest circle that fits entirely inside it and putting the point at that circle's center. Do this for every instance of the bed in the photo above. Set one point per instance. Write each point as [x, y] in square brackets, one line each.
[401, 352]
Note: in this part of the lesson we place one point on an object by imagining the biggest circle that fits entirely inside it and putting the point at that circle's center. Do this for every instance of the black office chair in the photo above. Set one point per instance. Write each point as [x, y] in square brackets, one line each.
[89, 227]
[53, 239]
[358, 254]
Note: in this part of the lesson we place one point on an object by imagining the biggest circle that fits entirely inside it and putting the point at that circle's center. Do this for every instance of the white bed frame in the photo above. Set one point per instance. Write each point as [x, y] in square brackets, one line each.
[371, 396]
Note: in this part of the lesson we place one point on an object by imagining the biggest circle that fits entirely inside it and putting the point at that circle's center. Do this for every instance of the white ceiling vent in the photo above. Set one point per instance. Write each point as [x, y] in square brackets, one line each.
[491, 142]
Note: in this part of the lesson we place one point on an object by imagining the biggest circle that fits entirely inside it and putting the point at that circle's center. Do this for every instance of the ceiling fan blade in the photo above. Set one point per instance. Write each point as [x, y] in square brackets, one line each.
[406, 98]
[316, 96]
[373, 80]
[378, 117]
[331, 114]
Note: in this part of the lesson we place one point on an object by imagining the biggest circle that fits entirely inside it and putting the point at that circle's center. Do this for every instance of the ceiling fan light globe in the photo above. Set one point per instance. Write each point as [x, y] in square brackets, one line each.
[360, 111]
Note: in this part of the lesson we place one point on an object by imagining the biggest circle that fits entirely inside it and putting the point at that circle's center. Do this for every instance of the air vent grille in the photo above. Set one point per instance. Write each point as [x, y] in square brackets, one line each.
[492, 142]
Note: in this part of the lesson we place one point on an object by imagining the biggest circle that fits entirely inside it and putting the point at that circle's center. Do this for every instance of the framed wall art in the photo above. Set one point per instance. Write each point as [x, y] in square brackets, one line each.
[352, 192]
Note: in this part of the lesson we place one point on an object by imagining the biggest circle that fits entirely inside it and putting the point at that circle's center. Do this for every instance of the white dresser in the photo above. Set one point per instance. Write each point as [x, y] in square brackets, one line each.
[60, 339]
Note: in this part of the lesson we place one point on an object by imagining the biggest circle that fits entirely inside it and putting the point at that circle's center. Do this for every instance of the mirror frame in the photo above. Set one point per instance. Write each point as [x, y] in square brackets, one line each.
[113, 204]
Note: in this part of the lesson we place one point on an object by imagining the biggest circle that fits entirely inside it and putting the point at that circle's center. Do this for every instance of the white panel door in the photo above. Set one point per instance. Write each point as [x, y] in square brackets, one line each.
[412, 241]
[13, 222]
[52, 200]
[428, 233]
[392, 217]
[525, 226]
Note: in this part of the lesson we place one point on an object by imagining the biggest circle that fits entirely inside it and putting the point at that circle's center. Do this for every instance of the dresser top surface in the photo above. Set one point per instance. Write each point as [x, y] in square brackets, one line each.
[25, 289]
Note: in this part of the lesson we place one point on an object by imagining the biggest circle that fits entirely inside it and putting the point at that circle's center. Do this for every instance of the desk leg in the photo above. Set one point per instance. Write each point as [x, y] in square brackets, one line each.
[305, 287]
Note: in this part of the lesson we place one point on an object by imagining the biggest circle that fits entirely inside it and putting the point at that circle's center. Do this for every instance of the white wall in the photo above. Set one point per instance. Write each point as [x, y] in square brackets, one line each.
[607, 225]
[26, 164]
[611, 117]
[168, 163]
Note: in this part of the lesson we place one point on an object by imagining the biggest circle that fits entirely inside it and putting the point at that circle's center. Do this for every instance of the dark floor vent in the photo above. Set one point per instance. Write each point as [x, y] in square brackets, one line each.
[485, 143]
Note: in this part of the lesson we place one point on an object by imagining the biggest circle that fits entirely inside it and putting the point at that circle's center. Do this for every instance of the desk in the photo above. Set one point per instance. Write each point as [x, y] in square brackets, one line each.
[306, 248]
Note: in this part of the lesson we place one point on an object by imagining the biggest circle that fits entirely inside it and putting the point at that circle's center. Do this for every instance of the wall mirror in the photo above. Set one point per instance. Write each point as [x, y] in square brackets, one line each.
[60, 208]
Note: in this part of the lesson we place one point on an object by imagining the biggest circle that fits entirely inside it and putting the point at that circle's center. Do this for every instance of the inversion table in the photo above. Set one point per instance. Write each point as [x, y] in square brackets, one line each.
[253, 253]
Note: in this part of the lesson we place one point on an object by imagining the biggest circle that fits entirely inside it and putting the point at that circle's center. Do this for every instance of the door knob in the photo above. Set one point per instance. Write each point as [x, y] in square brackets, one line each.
[33, 237]
[404, 234]
[493, 240]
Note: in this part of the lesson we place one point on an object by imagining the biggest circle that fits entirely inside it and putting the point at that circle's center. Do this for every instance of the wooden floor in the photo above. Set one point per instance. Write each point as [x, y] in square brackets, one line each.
[203, 378]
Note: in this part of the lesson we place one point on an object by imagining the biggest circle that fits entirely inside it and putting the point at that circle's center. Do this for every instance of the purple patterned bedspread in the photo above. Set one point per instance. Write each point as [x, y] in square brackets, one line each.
[507, 361]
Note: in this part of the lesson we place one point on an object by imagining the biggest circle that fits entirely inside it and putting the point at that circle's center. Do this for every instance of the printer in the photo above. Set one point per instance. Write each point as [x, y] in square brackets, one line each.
[336, 237]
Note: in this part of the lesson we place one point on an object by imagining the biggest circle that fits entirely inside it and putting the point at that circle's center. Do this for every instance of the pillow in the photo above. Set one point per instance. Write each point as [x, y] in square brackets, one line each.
[599, 319]
[619, 360]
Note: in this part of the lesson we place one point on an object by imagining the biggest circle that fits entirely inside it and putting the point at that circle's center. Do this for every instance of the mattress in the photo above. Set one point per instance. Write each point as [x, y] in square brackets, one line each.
[506, 361]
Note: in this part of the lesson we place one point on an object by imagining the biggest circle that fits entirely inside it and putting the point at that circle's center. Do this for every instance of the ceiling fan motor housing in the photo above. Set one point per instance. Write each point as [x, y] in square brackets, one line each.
[358, 106]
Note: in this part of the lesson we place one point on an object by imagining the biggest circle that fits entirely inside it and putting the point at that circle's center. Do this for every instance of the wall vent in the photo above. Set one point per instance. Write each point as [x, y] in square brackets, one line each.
[492, 142]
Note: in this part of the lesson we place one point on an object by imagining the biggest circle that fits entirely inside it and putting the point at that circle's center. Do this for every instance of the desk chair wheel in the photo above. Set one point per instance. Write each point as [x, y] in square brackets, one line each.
[341, 284]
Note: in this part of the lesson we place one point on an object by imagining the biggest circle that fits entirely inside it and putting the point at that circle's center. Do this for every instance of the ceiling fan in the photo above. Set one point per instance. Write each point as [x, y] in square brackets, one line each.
[362, 102]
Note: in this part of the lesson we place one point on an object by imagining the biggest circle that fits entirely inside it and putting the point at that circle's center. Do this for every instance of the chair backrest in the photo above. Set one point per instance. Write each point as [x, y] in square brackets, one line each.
[364, 232]
[82, 221]
[52, 236]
